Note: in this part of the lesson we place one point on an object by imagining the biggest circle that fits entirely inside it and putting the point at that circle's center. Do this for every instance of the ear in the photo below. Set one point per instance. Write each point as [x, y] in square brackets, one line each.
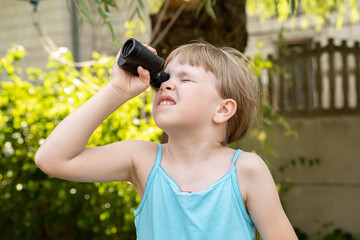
[225, 111]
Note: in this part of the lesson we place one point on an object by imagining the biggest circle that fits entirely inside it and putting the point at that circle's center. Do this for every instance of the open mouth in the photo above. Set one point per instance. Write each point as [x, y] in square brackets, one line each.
[166, 102]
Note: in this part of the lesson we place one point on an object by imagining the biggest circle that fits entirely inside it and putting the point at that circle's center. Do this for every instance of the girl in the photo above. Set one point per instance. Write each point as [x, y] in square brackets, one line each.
[195, 186]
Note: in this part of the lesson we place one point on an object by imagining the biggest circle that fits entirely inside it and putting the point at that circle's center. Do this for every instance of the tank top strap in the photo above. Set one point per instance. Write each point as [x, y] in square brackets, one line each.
[236, 188]
[236, 154]
[158, 155]
[155, 166]
[150, 179]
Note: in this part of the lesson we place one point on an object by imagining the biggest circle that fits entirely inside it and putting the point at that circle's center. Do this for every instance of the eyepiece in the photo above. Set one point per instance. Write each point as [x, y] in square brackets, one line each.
[158, 79]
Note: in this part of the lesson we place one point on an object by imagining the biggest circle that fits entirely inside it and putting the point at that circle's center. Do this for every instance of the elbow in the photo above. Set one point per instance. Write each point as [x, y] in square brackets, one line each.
[48, 161]
[41, 161]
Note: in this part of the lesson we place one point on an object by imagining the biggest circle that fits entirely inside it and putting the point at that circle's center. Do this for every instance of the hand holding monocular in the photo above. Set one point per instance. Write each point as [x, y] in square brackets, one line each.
[134, 54]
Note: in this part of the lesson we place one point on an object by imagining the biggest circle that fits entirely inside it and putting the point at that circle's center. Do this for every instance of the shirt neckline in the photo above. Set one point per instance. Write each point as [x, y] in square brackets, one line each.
[176, 186]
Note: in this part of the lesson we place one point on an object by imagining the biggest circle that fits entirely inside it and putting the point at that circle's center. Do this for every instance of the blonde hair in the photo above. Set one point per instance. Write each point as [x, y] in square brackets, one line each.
[236, 81]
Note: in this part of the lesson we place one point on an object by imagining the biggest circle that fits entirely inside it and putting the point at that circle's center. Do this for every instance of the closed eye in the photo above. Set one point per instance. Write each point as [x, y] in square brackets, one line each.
[185, 80]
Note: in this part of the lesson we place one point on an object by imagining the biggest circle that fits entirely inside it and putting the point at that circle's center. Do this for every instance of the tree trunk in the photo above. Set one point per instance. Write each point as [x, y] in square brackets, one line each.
[229, 28]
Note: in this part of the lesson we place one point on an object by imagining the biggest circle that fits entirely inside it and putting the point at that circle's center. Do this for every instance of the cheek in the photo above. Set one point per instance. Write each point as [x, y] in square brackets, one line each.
[204, 97]
[201, 106]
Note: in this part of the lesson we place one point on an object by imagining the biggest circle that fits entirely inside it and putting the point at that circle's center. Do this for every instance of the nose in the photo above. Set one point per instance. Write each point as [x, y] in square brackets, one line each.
[167, 85]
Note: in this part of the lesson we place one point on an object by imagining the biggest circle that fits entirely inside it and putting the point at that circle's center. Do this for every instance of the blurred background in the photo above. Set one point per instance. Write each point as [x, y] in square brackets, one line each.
[56, 54]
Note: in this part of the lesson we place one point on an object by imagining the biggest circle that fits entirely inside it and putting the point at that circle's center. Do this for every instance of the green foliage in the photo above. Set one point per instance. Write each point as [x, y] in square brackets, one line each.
[85, 10]
[318, 10]
[309, 10]
[335, 234]
[339, 234]
[300, 161]
[285, 183]
[328, 231]
[34, 205]
[269, 115]
[209, 4]
[137, 13]
[90, 10]
[300, 234]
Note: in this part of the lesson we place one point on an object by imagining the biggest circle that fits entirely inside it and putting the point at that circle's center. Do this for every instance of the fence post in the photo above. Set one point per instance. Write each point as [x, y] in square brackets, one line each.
[357, 73]
[345, 80]
[281, 90]
[306, 85]
[293, 92]
[318, 76]
[271, 83]
[331, 73]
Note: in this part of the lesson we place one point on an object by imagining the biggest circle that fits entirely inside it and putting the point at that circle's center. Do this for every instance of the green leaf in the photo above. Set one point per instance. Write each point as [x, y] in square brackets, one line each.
[293, 162]
[302, 160]
[199, 8]
[84, 6]
[210, 10]
[102, 13]
[87, 16]
[136, 12]
[141, 4]
[269, 149]
[111, 3]
[112, 31]
[80, 24]
[131, 4]
[113, 17]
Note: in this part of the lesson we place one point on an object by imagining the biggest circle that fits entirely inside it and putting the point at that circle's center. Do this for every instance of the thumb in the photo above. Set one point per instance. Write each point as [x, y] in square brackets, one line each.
[144, 75]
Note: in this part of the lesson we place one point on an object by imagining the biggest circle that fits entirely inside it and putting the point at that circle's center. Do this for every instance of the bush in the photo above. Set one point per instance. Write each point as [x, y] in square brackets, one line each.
[37, 206]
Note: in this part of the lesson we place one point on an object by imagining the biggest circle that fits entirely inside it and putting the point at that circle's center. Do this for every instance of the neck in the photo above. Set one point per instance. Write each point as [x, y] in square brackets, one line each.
[189, 143]
[190, 148]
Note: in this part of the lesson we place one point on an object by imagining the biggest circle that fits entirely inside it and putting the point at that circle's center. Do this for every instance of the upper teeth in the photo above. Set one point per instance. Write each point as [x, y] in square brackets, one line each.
[166, 103]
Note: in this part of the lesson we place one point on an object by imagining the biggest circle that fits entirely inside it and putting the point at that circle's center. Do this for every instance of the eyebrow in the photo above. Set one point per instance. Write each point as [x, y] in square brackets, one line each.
[184, 74]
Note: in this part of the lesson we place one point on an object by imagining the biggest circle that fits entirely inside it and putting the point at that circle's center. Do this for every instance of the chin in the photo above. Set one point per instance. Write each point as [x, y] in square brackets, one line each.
[166, 125]
[163, 126]
[164, 121]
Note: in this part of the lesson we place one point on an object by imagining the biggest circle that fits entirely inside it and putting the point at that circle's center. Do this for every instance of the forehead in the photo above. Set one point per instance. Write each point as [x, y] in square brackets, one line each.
[196, 55]
[181, 69]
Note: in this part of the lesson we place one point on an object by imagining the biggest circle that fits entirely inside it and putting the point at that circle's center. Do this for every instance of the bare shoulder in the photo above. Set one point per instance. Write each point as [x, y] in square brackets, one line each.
[144, 152]
[250, 165]
[252, 172]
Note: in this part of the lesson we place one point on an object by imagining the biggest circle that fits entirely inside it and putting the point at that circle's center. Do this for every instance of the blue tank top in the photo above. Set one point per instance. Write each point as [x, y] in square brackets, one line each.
[167, 213]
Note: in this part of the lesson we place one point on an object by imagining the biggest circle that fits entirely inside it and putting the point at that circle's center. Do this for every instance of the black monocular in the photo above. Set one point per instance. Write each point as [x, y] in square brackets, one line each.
[134, 54]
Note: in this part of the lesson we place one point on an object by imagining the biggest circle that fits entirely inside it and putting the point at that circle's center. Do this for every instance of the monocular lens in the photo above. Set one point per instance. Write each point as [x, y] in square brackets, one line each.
[127, 48]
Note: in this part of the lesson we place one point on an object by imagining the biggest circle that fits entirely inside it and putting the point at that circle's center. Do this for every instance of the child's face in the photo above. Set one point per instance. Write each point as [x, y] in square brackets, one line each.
[188, 99]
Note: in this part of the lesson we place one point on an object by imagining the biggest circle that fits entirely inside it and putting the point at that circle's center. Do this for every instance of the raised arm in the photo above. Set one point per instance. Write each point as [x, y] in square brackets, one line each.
[262, 199]
[63, 154]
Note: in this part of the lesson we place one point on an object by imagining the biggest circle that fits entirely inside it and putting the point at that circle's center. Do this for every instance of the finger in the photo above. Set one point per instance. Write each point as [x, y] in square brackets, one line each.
[118, 55]
[153, 50]
[144, 75]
